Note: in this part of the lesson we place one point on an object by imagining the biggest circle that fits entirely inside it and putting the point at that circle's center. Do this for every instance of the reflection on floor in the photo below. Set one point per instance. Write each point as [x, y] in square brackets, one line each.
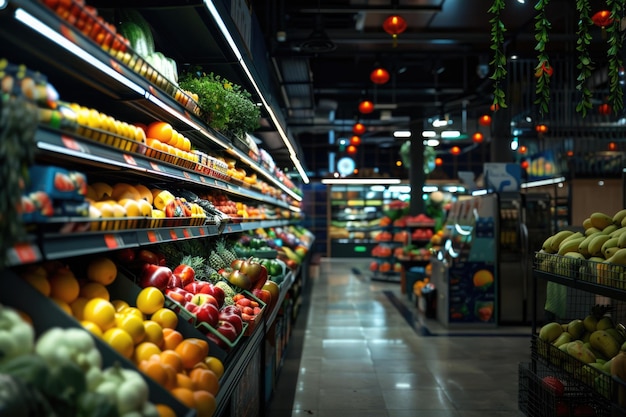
[359, 348]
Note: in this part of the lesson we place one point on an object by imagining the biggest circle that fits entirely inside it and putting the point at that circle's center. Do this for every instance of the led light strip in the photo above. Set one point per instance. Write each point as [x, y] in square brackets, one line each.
[361, 181]
[539, 183]
[233, 46]
[45, 30]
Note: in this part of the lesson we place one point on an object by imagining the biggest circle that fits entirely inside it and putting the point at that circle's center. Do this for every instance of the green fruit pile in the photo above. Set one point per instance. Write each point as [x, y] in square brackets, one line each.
[598, 254]
[593, 341]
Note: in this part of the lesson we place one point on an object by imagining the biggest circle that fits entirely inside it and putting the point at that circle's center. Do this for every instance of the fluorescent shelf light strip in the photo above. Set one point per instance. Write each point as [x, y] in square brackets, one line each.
[45, 30]
[361, 181]
[233, 45]
[540, 183]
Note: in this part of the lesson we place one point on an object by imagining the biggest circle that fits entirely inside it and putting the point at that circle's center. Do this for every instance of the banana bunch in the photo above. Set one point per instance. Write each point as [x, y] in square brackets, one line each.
[603, 242]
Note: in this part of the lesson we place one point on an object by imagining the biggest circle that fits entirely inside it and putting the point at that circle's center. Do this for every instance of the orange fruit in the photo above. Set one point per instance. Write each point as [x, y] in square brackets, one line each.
[120, 341]
[154, 370]
[160, 130]
[149, 300]
[165, 317]
[165, 410]
[91, 290]
[92, 327]
[102, 270]
[185, 396]
[63, 285]
[173, 359]
[154, 332]
[144, 351]
[78, 307]
[132, 311]
[205, 403]
[215, 364]
[132, 324]
[171, 338]
[192, 350]
[38, 278]
[184, 381]
[100, 312]
[204, 379]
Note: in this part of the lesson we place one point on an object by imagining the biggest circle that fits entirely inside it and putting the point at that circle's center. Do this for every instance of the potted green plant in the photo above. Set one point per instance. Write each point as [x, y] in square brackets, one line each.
[227, 107]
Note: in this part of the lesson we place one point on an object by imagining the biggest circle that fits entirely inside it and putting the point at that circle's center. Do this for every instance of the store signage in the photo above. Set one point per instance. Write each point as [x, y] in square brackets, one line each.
[502, 177]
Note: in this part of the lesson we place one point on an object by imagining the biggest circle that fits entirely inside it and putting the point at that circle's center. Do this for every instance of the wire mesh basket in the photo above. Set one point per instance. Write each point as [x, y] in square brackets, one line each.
[548, 392]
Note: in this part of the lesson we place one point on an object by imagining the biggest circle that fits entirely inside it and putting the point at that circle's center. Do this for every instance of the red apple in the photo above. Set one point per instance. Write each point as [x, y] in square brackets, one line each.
[177, 294]
[228, 330]
[186, 273]
[233, 318]
[554, 384]
[263, 295]
[175, 282]
[155, 276]
[201, 298]
[208, 313]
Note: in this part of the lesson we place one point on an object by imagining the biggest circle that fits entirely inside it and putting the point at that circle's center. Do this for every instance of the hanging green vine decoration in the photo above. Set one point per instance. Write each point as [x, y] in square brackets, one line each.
[498, 63]
[585, 64]
[614, 54]
[543, 70]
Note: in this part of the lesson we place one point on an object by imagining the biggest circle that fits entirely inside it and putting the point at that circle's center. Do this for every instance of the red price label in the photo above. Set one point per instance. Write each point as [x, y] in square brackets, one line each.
[70, 143]
[155, 166]
[115, 65]
[186, 233]
[186, 175]
[173, 234]
[130, 160]
[152, 236]
[25, 253]
[113, 241]
[202, 231]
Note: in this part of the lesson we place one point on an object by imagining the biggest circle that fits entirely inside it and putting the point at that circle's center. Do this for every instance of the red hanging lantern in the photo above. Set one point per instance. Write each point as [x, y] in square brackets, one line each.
[522, 149]
[605, 109]
[355, 140]
[602, 18]
[612, 146]
[484, 120]
[366, 107]
[394, 25]
[541, 128]
[455, 150]
[358, 129]
[524, 164]
[570, 153]
[379, 76]
[438, 161]
[351, 149]
[478, 137]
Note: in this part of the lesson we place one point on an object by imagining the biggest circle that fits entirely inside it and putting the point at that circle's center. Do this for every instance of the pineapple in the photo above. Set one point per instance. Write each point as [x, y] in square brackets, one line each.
[215, 261]
[225, 253]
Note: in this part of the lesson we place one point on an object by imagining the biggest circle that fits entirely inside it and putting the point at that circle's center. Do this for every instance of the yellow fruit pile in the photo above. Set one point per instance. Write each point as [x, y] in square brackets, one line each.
[603, 243]
[144, 333]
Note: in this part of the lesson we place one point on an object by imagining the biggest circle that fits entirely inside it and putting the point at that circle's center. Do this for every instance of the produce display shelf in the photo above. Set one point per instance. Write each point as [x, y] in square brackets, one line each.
[49, 39]
[88, 152]
[594, 277]
[288, 281]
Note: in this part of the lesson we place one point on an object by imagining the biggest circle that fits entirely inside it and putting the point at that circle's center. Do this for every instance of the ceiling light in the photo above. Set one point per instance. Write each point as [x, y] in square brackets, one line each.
[394, 25]
[364, 181]
[402, 134]
[429, 134]
[431, 142]
[441, 122]
[379, 76]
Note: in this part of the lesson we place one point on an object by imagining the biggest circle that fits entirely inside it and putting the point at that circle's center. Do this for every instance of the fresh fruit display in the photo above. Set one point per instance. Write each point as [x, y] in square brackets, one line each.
[598, 254]
[594, 342]
[60, 373]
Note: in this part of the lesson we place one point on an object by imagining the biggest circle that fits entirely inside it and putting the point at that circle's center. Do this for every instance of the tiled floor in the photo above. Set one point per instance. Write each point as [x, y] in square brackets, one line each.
[353, 353]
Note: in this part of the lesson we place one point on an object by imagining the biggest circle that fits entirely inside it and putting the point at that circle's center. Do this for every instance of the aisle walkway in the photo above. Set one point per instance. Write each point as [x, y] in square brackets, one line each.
[353, 354]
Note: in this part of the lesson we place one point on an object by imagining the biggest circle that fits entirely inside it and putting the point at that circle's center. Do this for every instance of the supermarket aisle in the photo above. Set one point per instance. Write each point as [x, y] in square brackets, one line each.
[354, 354]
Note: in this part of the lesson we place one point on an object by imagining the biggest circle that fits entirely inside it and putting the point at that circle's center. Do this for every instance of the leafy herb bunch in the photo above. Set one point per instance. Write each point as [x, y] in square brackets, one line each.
[228, 108]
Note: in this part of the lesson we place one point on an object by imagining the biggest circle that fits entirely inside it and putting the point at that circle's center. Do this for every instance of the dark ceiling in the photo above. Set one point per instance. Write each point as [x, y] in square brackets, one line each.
[440, 63]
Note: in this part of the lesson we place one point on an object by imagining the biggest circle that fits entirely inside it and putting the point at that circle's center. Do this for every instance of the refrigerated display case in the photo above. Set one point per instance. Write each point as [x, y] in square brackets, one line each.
[355, 212]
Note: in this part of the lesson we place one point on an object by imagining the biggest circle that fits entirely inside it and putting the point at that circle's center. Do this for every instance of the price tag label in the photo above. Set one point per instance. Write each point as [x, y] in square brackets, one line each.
[152, 236]
[173, 234]
[115, 65]
[186, 233]
[202, 231]
[202, 179]
[113, 241]
[155, 166]
[186, 175]
[25, 253]
[71, 143]
[130, 160]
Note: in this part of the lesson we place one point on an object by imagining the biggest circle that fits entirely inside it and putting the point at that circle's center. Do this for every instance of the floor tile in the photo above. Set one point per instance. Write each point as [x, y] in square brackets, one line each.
[361, 356]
